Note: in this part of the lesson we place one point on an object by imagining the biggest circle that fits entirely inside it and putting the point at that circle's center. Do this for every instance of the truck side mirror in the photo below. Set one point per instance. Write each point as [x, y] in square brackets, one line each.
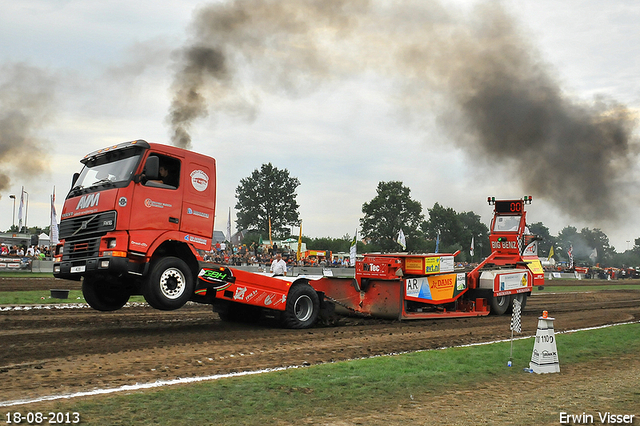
[74, 179]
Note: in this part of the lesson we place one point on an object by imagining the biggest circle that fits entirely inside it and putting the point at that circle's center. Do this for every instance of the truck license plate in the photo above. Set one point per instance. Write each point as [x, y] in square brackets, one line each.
[78, 268]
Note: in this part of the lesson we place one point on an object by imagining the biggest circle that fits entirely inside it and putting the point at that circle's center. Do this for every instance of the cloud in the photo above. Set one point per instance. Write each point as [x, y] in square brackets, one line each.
[476, 70]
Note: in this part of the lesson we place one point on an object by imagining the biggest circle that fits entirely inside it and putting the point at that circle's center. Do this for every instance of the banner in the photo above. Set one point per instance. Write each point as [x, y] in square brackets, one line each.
[401, 240]
[353, 250]
[299, 252]
[228, 236]
[20, 207]
[570, 253]
[471, 249]
[54, 238]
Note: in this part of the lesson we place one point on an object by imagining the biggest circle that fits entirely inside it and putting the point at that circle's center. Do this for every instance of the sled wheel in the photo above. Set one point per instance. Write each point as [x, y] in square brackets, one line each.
[522, 298]
[303, 307]
[101, 295]
[170, 284]
[500, 304]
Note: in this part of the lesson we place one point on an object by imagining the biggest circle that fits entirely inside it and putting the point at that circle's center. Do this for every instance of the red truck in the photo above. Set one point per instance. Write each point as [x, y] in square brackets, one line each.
[140, 215]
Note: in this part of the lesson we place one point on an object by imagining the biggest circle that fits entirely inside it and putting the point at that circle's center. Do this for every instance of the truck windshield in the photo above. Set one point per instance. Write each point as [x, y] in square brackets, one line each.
[506, 223]
[107, 173]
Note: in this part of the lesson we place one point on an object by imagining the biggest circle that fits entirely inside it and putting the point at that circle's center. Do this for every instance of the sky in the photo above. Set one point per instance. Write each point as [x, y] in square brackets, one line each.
[459, 100]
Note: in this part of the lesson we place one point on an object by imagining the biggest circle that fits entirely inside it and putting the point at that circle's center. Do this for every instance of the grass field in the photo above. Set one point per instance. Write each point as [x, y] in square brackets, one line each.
[31, 297]
[568, 288]
[340, 389]
[37, 297]
[25, 274]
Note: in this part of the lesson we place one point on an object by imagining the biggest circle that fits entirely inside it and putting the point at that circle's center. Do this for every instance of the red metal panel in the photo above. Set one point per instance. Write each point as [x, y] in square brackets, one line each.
[257, 290]
[379, 298]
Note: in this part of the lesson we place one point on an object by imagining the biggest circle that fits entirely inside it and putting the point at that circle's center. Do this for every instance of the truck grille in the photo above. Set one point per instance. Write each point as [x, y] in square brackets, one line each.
[81, 249]
[82, 234]
[79, 227]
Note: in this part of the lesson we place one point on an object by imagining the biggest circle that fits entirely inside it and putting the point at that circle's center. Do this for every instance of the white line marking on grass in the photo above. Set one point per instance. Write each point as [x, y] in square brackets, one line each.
[161, 383]
[61, 306]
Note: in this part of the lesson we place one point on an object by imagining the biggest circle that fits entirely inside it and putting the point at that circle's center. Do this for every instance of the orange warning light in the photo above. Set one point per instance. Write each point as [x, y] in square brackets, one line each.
[545, 314]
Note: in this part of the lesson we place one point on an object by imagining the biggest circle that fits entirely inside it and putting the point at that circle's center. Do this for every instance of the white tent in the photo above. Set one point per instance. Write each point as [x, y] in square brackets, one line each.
[44, 240]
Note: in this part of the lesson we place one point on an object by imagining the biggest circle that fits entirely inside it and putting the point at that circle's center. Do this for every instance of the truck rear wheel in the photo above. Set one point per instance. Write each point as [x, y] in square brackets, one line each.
[101, 295]
[522, 298]
[500, 304]
[170, 284]
[303, 307]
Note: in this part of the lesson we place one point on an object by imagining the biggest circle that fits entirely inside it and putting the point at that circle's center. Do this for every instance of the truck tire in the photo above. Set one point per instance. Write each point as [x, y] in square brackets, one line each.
[500, 304]
[522, 297]
[170, 284]
[303, 307]
[101, 295]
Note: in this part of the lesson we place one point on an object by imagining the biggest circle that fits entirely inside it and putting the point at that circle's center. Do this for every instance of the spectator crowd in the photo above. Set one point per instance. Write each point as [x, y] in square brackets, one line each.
[263, 255]
[32, 251]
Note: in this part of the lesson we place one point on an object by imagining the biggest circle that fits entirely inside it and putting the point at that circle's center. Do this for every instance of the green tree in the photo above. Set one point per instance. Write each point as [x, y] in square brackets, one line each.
[583, 244]
[546, 240]
[565, 240]
[269, 193]
[456, 231]
[472, 227]
[388, 212]
[596, 243]
[443, 221]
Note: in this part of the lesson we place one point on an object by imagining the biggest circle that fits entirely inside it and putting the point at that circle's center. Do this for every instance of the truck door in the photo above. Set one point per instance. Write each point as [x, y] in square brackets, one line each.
[156, 203]
[199, 188]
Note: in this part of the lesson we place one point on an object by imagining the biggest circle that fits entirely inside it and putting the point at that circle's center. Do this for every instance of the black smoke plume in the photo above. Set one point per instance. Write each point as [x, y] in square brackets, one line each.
[26, 104]
[475, 70]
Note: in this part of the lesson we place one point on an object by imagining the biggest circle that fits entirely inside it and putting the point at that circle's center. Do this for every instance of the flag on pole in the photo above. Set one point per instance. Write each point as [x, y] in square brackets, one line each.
[516, 321]
[353, 250]
[20, 207]
[570, 252]
[401, 240]
[228, 236]
[438, 241]
[299, 253]
[54, 238]
[270, 238]
[516, 325]
[471, 249]
[551, 253]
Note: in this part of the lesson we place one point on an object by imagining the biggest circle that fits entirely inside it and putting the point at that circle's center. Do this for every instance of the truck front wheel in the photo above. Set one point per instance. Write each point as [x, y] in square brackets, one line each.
[170, 284]
[303, 307]
[500, 304]
[101, 295]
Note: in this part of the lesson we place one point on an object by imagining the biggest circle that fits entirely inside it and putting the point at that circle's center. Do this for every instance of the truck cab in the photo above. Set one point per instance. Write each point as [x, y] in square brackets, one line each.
[137, 210]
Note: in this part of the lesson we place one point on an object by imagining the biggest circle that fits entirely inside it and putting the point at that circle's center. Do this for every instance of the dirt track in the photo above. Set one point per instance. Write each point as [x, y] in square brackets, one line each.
[53, 351]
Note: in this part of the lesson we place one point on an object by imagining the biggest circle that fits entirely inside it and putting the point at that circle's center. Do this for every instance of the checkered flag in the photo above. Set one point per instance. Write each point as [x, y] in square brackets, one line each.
[516, 324]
